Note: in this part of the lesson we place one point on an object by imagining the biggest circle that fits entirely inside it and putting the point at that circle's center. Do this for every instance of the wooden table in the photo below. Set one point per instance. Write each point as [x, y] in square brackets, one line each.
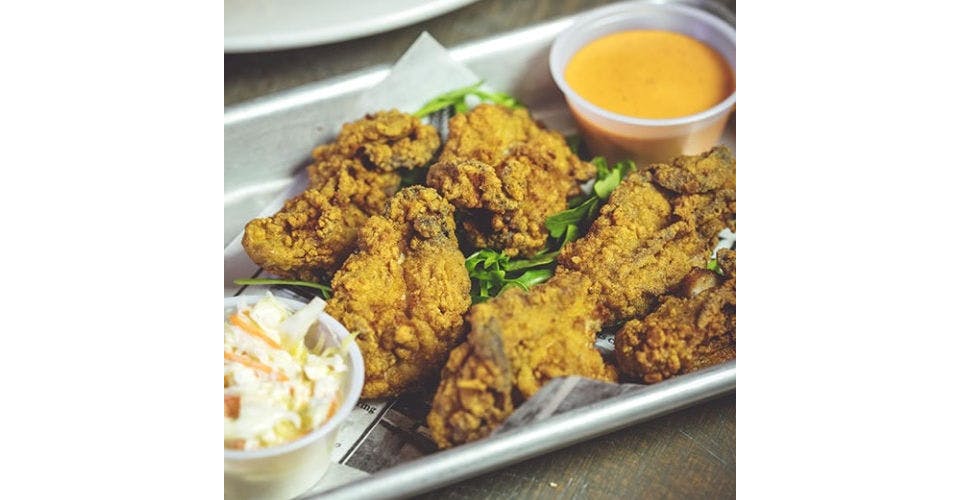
[688, 454]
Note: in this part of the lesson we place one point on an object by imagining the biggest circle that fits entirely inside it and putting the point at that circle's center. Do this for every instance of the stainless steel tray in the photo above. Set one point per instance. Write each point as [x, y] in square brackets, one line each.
[266, 145]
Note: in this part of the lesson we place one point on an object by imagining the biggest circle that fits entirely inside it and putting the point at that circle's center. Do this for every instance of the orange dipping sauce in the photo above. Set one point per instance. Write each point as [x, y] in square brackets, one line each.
[651, 74]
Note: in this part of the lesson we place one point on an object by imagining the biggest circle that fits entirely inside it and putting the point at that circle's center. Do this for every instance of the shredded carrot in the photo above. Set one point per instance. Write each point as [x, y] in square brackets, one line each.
[332, 410]
[231, 406]
[234, 444]
[247, 324]
[252, 363]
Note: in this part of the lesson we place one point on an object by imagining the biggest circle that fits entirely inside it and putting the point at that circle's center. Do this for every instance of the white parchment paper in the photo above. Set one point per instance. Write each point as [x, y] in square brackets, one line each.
[425, 71]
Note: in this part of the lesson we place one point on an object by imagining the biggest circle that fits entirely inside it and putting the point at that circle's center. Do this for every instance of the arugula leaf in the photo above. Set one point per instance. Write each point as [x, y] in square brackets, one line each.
[446, 99]
[584, 209]
[573, 232]
[458, 99]
[413, 177]
[528, 279]
[714, 266]
[602, 169]
[573, 142]
[609, 178]
[492, 272]
[325, 291]
[540, 260]
[559, 222]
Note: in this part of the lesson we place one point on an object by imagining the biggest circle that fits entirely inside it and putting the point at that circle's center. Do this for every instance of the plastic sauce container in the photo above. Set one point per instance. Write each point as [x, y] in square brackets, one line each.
[645, 140]
[290, 469]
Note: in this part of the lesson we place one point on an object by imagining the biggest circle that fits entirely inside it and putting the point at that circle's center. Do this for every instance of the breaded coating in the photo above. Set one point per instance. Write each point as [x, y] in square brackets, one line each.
[721, 348]
[626, 251]
[488, 133]
[709, 171]
[311, 236]
[697, 281]
[682, 335]
[404, 291]
[307, 240]
[646, 239]
[727, 259]
[506, 175]
[475, 393]
[350, 180]
[384, 142]
[517, 342]
[716, 350]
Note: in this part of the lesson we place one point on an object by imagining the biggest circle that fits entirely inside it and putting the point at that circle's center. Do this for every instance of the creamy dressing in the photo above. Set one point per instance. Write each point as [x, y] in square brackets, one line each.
[650, 74]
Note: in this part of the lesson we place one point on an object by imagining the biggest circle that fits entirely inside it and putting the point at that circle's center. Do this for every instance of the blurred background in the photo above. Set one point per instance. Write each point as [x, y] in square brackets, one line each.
[250, 74]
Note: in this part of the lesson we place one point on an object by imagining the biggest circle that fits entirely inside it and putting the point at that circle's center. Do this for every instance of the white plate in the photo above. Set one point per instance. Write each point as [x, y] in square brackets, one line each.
[259, 25]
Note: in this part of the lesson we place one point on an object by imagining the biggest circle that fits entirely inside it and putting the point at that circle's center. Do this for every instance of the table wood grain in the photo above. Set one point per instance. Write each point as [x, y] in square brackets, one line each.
[687, 454]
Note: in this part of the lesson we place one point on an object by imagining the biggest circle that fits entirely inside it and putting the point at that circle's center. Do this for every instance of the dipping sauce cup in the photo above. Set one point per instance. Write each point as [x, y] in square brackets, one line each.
[290, 469]
[645, 140]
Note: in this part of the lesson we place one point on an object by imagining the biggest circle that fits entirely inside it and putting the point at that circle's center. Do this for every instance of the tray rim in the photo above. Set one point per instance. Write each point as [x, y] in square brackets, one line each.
[468, 460]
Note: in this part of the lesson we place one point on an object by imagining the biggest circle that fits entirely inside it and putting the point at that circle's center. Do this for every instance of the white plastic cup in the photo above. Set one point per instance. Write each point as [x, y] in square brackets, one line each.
[287, 470]
[619, 137]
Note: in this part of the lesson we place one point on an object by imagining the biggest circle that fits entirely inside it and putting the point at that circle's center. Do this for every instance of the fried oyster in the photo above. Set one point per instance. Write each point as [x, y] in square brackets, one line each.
[506, 174]
[648, 237]
[684, 333]
[404, 291]
[517, 342]
[350, 180]
[382, 142]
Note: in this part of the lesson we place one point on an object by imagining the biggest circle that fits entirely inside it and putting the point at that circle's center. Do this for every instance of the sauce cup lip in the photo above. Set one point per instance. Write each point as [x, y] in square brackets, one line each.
[623, 10]
[349, 401]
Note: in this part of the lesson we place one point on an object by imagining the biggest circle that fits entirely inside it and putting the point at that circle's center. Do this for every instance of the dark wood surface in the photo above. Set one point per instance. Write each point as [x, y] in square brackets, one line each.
[687, 454]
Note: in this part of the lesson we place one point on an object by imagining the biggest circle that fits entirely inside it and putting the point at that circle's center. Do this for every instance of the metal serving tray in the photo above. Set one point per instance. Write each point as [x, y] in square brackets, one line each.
[267, 143]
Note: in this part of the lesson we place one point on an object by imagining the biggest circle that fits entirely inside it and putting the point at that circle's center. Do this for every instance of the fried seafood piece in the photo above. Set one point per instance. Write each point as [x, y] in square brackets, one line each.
[314, 232]
[489, 133]
[632, 252]
[727, 259]
[517, 342]
[645, 240]
[383, 142]
[697, 281]
[475, 393]
[350, 179]
[709, 171]
[404, 291]
[682, 335]
[506, 174]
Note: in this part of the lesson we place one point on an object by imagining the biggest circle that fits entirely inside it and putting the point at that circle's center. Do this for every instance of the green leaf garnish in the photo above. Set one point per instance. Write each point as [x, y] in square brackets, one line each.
[609, 178]
[558, 224]
[540, 260]
[413, 177]
[583, 209]
[492, 272]
[529, 278]
[325, 291]
[458, 99]
[714, 266]
[573, 142]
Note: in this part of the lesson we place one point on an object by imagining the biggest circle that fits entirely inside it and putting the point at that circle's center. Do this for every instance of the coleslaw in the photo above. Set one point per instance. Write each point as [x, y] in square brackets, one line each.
[280, 379]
